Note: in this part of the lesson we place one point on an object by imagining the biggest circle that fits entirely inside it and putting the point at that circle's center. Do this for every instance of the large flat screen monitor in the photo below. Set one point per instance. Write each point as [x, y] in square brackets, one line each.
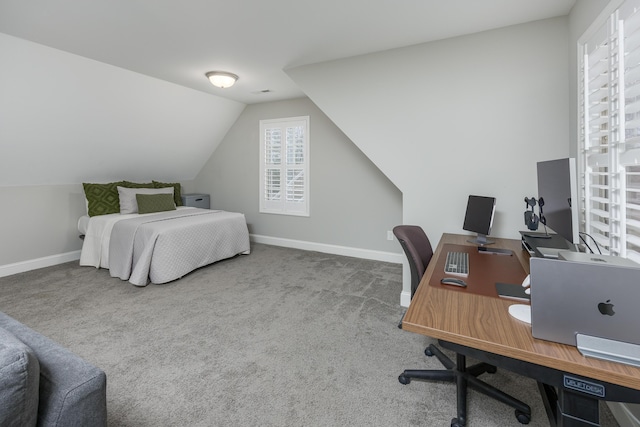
[479, 218]
[558, 189]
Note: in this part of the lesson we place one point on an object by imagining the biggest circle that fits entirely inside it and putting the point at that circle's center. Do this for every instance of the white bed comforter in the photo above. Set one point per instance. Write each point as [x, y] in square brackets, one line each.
[164, 246]
[97, 235]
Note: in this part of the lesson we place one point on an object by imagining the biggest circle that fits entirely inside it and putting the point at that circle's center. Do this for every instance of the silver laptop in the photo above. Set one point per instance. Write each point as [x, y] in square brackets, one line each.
[597, 258]
[590, 305]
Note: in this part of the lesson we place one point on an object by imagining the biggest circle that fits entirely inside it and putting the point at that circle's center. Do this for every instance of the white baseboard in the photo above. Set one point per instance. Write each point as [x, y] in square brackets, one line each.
[33, 264]
[21, 267]
[405, 298]
[395, 258]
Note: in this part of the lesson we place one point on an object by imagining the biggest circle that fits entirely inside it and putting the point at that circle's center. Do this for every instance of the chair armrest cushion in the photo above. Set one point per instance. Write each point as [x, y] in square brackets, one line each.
[72, 391]
[19, 380]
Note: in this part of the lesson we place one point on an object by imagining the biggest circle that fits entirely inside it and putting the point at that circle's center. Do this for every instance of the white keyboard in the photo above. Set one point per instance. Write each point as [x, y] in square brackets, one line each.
[457, 263]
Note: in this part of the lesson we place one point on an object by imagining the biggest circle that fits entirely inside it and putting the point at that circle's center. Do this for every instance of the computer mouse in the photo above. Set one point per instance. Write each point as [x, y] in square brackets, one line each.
[453, 281]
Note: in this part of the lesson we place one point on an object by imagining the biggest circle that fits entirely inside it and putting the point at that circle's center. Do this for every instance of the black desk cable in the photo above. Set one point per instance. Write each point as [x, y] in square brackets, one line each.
[587, 245]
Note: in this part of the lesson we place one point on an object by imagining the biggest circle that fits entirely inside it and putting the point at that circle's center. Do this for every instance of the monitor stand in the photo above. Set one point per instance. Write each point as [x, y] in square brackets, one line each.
[555, 241]
[537, 235]
[481, 240]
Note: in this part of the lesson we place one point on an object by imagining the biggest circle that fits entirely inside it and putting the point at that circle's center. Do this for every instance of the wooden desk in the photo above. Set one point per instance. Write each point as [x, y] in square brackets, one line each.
[478, 324]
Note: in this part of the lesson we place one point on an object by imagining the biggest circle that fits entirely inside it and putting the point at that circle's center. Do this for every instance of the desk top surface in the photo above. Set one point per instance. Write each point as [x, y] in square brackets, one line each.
[475, 317]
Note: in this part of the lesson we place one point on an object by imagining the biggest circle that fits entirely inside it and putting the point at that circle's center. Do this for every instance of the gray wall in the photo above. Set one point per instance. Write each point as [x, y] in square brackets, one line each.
[468, 115]
[39, 221]
[353, 204]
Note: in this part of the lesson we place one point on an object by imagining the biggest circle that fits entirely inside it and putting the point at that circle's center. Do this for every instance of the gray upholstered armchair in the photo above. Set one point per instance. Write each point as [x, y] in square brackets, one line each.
[44, 384]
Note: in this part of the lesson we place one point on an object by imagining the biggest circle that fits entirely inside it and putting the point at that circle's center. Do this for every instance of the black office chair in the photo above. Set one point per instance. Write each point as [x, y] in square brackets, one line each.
[417, 248]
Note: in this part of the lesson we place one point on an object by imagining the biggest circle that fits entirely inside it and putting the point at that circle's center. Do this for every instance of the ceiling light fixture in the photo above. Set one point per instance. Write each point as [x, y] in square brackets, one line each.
[221, 79]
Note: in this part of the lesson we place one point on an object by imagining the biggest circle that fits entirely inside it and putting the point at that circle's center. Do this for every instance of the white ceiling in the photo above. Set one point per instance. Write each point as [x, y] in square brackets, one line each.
[179, 41]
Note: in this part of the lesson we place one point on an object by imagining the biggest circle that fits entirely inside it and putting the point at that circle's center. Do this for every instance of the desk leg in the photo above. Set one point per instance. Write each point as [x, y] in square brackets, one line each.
[566, 408]
[576, 409]
[550, 401]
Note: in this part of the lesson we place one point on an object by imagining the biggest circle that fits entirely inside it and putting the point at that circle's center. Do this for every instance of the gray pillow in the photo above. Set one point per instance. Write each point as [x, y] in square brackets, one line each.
[19, 382]
[128, 203]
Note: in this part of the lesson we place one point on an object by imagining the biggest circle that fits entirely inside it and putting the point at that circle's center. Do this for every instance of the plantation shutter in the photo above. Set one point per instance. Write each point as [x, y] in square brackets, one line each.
[611, 133]
[630, 150]
[284, 166]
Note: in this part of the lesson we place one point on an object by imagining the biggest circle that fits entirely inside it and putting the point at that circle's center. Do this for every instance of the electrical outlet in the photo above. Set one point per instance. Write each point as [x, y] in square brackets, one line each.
[389, 235]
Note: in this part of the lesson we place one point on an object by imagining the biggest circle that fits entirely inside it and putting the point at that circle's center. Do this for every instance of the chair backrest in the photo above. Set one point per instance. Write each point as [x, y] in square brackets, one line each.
[417, 248]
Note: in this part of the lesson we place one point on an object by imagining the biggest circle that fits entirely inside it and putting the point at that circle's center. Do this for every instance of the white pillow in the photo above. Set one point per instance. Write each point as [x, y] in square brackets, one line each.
[128, 203]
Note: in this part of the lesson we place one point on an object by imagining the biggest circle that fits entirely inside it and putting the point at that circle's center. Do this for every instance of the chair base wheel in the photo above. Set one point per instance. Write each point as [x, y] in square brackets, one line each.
[428, 352]
[523, 418]
[457, 423]
[404, 380]
[492, 370]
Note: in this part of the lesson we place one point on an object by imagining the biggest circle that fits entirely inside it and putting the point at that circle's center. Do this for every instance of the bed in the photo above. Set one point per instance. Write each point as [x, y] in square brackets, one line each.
[163, 246]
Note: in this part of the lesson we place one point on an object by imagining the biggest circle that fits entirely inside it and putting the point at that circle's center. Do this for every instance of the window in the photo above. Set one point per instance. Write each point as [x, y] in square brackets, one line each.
[284, 166]
[610, 131]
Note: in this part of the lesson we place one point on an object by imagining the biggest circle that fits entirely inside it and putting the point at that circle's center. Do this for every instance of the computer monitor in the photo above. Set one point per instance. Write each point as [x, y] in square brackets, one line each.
[479, 218]
[558, 197]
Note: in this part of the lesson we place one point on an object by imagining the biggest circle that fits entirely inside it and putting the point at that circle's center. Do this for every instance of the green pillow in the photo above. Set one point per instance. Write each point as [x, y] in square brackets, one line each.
[177, 197]
[129, 184]
[102, 199]
[149, 203]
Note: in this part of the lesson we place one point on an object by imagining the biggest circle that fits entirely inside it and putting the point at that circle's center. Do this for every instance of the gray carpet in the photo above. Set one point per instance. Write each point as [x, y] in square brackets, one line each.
[281, 337]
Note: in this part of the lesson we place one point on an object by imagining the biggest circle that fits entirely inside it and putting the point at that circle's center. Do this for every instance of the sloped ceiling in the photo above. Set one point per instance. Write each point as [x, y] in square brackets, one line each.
[179, 41]
[67, 119]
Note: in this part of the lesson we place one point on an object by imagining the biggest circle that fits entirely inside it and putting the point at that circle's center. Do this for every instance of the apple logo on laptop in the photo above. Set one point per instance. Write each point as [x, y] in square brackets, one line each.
[606, 308]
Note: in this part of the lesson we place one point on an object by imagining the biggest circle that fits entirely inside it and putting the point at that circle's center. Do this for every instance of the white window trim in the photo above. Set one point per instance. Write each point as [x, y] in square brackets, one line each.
[281, 205]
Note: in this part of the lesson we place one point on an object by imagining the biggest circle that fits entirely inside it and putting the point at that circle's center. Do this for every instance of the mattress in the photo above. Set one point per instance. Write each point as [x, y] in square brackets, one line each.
[83, 224]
